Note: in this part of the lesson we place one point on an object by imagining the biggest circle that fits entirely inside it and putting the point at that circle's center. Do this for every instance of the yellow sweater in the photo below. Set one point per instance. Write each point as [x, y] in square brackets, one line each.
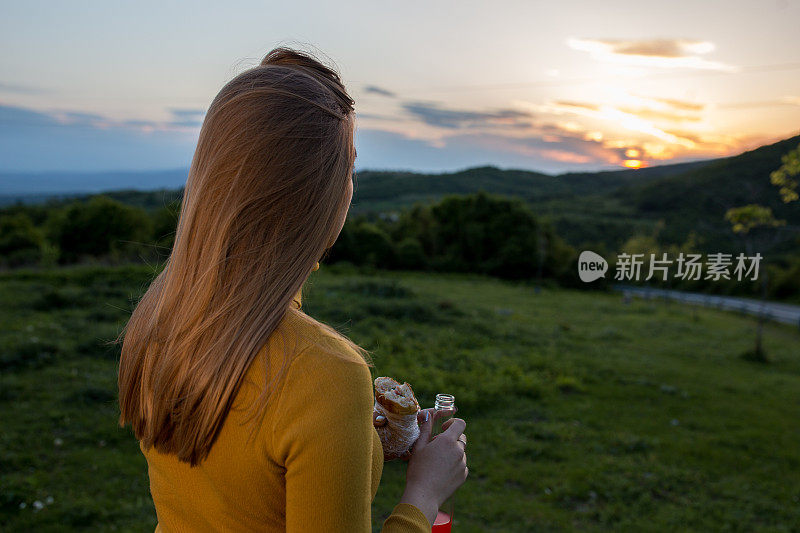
[315, 462]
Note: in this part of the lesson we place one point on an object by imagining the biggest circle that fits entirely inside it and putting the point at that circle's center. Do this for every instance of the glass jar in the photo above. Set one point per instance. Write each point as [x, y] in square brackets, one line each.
[447, 404]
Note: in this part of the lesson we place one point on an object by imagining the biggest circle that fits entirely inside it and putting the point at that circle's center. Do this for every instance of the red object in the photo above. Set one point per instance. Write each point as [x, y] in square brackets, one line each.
[442, 523]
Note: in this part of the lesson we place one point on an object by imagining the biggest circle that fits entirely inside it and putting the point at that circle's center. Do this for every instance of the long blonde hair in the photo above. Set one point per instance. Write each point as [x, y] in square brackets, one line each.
[265, 192]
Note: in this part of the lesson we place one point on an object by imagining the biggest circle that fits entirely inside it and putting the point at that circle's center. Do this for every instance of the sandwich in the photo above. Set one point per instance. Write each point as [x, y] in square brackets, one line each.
[397, 403]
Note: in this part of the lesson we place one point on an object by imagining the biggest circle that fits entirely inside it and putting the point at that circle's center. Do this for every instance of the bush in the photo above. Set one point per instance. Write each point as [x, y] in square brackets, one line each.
[489, 234]
[365, 244]
[410, 254]
[32, 354]
[99, 227]
[482, 233]
[20, 241]
[165, 222]
[787, 281]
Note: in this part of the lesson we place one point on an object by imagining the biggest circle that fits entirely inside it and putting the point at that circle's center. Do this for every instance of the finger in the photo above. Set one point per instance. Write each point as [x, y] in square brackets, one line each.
[421, 415]
[378, 420]
[455, 428]
[439, 413]
[425, 421]
[446, 423]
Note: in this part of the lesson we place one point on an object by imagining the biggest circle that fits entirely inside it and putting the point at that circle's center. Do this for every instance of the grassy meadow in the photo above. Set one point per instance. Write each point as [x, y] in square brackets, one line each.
[583, 412]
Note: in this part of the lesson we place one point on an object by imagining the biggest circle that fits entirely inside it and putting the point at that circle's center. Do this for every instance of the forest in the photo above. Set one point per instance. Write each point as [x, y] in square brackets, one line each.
[510, 224]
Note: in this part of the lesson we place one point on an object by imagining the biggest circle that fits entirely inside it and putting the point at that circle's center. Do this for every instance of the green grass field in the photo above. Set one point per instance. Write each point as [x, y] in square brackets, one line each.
[583, 413]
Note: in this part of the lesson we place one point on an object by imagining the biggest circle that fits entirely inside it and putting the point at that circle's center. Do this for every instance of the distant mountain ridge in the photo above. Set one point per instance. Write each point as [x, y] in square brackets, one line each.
[32, 185]
[588, 209]
[383, 190]
[376, 189]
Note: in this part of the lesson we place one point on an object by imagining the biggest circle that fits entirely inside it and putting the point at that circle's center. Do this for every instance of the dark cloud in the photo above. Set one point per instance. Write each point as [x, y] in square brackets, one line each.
[12, 116]
[186, 123]
[551, 144]
[187, 117]
[432, 114]
[136, 123]
[81, 117]
[22, 117]
[374, 89]
[387, 150]
[20, 88]
[187, 113]
[32, 140]
[376, 116]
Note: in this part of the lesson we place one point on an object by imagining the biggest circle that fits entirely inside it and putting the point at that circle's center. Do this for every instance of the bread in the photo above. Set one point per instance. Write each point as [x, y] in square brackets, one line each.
[394, 397]
[397, 403]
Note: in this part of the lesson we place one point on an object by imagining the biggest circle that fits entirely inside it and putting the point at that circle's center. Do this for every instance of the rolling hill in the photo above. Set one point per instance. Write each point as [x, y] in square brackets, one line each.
[381, 190]
[601, 209]
[698, 199]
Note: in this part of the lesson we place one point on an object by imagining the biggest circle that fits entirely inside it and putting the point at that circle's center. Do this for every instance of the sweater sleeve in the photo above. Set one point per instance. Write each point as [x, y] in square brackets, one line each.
[323, 437]
[406, 518]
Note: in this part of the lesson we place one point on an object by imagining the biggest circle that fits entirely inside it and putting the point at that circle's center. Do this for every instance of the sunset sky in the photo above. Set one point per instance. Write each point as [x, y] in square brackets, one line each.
[444, 85]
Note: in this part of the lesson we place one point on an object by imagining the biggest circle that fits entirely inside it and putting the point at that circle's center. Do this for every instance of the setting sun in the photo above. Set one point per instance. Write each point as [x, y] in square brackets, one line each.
[633, 163]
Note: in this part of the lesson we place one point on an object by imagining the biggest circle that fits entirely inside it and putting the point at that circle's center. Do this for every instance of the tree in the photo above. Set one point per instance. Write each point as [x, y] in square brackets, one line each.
[363, 243]
[165, 223]
[410, 254]
[373, 246]
[99, 227]
[20, 241]
[784, 177]
[746, 219]
[486, 233]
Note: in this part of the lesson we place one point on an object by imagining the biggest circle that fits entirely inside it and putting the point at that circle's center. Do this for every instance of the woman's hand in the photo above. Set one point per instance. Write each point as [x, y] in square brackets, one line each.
[437, 466]
[378, 420]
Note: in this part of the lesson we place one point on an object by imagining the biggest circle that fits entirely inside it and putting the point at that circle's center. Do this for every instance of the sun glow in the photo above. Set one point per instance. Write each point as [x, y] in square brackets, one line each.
[633, 163]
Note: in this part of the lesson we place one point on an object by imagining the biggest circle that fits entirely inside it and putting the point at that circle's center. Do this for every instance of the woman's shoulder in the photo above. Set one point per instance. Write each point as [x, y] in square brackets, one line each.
[301, 355]
[323, 403]
[322, 367]
[317, 342]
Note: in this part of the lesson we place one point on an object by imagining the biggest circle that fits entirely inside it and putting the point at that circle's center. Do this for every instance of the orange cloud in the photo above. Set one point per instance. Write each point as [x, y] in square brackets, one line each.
[664, 53]
[654, 114]
[582, 105]
[680, 104]
[565, 157]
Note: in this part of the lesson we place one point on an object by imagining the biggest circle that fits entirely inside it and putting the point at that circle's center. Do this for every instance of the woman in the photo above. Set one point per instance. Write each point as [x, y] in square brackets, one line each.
[252, 415]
